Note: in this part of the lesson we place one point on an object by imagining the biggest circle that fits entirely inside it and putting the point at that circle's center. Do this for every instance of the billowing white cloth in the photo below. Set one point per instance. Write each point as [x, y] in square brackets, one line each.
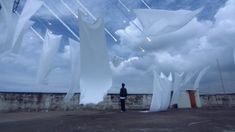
[30, 8]
[162, 85]
[196, 84]
[161, 92]
[17, 44]
[96, 76]
[75, 69]
[7, 24]
[188, 77]
[156, 97]
[180, 84]
[156, 22]
[166, 83]
[177, 85]
[199, 77]
[13, 27]
[50, 47]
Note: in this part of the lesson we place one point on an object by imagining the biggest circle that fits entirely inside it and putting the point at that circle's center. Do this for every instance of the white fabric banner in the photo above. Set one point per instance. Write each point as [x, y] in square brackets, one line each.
[96, 76]
[50, 48]
[75, 69]
[162, 86]
[30, 8]
[199, 77]
[156, 22]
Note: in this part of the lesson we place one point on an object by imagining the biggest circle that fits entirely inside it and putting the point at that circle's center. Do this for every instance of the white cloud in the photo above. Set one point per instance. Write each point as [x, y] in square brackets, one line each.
[191, 48]
[194, 46]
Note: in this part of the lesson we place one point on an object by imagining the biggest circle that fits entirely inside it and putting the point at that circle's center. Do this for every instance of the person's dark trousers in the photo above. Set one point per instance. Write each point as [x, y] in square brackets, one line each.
[123, 104]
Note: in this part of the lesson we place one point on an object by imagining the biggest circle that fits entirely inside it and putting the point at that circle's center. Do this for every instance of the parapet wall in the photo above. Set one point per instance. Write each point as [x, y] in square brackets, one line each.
[36, 101]
[10, 101]
[218, 100]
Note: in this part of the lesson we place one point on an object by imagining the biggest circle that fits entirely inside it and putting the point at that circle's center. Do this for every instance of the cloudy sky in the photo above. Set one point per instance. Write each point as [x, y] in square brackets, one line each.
[210, 36]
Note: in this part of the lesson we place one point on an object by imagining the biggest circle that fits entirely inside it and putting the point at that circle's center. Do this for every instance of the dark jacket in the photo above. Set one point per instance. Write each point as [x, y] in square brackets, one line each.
[123, 92]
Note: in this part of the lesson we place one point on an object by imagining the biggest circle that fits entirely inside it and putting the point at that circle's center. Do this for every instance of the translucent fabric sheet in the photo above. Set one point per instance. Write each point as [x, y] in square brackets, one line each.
[196, 84]
[177, 85]
[50, 47]
[30, 8]
[156, 22]
[161, 93]
[8, 23]
[95, 77]
[199, 77]
[13, 27]
[166, 83]
[188, 77]
[17, 44]
[156, 97]
[75, 69]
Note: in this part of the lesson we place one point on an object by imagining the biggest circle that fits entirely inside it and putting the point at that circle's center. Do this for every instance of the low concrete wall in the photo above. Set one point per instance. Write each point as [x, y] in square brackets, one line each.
[54, 101]
[218, 100]
[134, 101]
[36, 102]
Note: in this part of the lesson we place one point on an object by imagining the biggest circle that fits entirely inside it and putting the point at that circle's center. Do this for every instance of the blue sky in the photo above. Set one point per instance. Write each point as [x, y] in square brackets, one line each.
[207, 37]
[114, 13]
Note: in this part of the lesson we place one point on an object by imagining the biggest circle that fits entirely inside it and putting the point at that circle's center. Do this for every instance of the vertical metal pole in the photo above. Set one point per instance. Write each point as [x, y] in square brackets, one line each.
[234, 55]
[220, 75]
[225, 97]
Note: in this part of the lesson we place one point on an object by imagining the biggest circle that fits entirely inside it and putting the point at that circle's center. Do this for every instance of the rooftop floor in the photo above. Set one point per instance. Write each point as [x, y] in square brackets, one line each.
[184, 120]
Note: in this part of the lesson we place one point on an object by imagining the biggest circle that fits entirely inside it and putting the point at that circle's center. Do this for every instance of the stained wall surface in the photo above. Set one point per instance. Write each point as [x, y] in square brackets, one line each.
[10, 101]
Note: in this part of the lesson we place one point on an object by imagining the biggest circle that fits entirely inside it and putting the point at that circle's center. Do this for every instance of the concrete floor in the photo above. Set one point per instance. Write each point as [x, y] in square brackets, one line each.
[194, 120]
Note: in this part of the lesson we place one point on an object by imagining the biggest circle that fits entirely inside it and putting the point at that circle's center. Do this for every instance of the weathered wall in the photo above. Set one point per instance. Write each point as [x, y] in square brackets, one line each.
[54, 101]
[134, 101]
[35, 101]
[218, 100]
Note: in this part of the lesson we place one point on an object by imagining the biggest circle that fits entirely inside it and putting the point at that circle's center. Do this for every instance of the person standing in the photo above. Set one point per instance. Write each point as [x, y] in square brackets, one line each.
[123, 95]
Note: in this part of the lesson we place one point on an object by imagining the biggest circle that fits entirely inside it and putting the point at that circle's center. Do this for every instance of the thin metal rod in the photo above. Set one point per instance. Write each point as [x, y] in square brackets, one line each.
[86, 10]
[131, 20]
[221, 77]
[110, 34]
[234, 55]
[61, 21]
[148, 38]
[37, 33]
[94, 18]
[124, 5]
[67, 7]
[145, 4]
